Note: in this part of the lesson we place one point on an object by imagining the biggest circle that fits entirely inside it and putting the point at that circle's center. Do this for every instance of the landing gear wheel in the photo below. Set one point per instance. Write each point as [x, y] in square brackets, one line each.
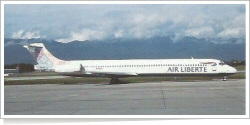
[114, 80]
[225, 78]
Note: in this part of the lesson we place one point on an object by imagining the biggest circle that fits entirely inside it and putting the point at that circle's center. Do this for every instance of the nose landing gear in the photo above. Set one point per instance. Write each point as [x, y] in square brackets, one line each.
[225, 78]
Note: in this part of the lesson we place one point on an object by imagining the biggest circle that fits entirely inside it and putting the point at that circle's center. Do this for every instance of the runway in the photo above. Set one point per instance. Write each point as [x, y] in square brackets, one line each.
[32, 78]
[156, 98]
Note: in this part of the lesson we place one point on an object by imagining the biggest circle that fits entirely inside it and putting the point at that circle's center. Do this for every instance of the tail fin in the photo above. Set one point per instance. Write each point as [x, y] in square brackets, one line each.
[43, 57]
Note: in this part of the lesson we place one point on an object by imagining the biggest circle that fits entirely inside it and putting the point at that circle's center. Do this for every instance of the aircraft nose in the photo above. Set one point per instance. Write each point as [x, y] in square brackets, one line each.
[232, 70]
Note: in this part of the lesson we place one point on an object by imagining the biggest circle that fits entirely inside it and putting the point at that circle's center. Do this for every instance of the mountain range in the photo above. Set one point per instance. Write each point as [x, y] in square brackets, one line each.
[153, 48]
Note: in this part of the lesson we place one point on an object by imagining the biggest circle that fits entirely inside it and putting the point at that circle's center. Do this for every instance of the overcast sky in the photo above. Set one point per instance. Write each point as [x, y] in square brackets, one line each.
[66, 23]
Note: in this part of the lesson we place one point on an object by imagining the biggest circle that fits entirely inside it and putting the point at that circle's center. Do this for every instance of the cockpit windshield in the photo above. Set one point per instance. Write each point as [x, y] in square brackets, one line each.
[222, 63]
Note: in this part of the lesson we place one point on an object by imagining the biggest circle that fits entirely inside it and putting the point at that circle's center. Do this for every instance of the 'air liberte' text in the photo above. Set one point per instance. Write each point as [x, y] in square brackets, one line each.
[187, 69]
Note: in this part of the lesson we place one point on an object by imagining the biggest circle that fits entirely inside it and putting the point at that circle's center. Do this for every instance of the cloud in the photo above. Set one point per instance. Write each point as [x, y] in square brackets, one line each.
[177, 36]
[227, 33]
[96, 22]
[146, 25]
[22, 34]
[119, 33]
[18, 34]
[201, 32]
[83, 35]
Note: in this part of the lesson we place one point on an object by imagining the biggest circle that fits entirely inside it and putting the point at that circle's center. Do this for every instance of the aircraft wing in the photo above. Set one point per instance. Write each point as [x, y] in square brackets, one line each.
[100, 74]
[112, 74]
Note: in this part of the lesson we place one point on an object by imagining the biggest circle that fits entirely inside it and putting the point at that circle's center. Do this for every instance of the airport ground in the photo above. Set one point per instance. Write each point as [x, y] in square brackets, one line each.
[213, 97]
[50, 94]
[53, 78]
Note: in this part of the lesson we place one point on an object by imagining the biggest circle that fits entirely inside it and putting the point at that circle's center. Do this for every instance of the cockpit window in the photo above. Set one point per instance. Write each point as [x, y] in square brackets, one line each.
[222, 63]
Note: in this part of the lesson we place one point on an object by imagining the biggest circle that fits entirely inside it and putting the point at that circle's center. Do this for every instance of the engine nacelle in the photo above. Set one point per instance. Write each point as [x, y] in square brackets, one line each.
[68, 68]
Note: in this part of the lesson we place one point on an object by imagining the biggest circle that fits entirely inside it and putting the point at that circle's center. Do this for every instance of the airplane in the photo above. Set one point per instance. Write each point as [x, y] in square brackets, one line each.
[116, 69]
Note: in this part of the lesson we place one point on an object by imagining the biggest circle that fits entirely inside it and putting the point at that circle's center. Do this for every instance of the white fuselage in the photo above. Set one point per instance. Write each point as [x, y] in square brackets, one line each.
[115, 69]
[156, 67]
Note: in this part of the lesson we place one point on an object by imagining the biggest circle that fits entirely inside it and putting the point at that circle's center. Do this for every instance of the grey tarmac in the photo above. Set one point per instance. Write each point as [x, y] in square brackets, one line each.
[32, 78]
[154, 98]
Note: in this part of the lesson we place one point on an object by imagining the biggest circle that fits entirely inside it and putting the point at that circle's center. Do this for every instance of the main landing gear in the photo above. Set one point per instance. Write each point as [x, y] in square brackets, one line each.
[114, 81]
[225, 78]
